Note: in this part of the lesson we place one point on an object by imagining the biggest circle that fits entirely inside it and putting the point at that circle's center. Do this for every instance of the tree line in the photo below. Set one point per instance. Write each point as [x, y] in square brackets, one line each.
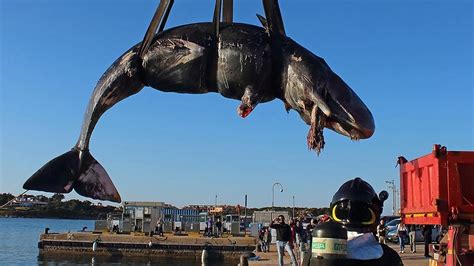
[56, 207]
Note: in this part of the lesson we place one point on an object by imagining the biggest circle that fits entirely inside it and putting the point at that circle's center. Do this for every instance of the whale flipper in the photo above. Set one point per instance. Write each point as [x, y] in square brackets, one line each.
[76, 170]
[264, 23]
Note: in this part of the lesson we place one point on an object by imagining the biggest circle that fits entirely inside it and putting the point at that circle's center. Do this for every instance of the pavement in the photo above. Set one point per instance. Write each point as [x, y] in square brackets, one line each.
[408, 258]
[412, 259]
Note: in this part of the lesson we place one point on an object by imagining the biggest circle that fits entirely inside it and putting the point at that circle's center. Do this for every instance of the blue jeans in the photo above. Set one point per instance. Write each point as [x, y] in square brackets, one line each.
[401, 239]
[264, 246]
[281, 246]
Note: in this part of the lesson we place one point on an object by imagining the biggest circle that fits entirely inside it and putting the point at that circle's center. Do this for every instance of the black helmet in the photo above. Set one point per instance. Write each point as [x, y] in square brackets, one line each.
[356, 205]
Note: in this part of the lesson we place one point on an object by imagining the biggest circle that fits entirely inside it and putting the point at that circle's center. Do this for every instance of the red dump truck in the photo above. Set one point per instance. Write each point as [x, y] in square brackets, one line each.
[438, 189]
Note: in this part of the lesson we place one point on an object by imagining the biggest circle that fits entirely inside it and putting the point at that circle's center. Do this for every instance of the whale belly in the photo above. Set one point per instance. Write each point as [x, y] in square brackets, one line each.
[244, 61]
[183, 60]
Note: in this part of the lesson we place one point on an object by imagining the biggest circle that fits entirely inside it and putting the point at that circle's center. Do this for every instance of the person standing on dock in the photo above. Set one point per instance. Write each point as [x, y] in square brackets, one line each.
[382, 231]
[402, 233]
[261, 240]
[427, 238]
[412, 236]
[219, 227]
[301, 240]
[267, 238]
[283, 239]
[209, 224]
[160, 227]
[309, 232]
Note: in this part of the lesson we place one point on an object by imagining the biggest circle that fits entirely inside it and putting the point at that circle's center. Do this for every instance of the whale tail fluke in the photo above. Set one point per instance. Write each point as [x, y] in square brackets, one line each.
[58, 175]
[76, 170]
[94, 182]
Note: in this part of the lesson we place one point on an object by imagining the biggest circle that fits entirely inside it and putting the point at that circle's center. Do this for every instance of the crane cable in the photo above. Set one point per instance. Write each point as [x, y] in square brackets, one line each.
[13, 199]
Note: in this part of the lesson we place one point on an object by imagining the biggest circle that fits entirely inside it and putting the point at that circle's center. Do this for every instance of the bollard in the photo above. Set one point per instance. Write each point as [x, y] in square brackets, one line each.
[204, 257]
[244, 260]
[46, 230]
[94, 245]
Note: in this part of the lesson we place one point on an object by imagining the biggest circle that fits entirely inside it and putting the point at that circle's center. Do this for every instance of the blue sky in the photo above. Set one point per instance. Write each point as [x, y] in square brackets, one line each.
[411, 62]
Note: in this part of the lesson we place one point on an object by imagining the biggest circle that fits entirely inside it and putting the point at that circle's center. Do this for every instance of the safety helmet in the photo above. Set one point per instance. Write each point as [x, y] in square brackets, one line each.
[357, 206]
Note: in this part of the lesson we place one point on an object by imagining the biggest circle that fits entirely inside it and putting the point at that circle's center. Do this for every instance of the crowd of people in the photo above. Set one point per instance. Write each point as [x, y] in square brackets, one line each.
[292, 237]
[356, 208]
[295, 239]
[356, 211]
[407, 233]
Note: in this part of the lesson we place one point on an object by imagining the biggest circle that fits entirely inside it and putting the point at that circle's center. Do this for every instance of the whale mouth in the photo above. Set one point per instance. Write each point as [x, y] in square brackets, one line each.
[345, 112]
[349, 130]
[337, 107]
[319, 121]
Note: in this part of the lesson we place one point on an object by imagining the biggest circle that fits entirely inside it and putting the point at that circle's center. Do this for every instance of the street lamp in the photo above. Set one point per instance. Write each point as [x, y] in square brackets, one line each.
[273, 193]
[393, 187]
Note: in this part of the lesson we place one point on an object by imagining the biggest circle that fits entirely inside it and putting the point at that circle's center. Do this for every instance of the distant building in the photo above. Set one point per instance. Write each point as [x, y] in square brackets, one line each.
[226, 209]
[142, 216]
[266, 217]
[26, 201]
[201, 208]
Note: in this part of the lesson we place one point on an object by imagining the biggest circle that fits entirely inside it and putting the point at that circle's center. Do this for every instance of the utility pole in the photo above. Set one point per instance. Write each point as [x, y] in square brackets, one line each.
[245, 216]
[393, 187]
[293, 206]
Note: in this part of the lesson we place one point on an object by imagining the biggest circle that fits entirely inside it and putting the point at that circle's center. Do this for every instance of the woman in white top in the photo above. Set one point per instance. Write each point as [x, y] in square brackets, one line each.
[402, 233]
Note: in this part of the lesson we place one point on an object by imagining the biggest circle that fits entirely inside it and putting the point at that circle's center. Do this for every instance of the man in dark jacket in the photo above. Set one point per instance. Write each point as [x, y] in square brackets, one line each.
[283, 236]
[219, 227]
[427, 238]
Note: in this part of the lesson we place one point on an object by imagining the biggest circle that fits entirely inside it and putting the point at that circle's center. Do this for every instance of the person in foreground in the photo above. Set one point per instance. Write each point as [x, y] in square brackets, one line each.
[283, 239]
[357, 208]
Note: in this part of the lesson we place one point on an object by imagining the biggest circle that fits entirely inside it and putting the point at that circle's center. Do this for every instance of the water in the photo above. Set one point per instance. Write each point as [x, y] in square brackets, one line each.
[19, 237]
[19, 245]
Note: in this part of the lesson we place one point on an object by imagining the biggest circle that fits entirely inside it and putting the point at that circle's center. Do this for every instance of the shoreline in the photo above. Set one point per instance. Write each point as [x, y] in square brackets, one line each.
[52, 218]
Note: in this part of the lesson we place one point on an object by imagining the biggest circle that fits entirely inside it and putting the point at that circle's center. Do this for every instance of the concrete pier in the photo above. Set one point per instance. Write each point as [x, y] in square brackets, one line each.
[133, 245]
